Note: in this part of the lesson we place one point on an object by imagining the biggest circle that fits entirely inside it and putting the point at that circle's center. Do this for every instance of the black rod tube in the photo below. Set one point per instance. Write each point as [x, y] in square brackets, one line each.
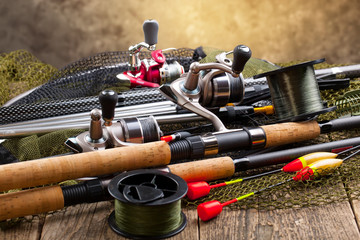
[340, 124]
[351, 71]
[284, 156]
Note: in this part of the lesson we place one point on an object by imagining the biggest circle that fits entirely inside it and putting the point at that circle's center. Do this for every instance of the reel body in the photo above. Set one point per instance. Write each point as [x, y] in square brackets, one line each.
[153, 72]
[210, 85]
[149, 72]
[125, 132]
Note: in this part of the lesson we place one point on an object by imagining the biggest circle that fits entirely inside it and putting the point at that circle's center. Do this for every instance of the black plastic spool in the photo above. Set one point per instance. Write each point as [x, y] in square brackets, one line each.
[281, 74]
[172, 188]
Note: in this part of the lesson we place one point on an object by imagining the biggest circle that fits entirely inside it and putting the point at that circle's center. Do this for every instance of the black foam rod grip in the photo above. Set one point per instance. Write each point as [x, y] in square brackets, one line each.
[242, 54]
[151, 28]
[108, 100]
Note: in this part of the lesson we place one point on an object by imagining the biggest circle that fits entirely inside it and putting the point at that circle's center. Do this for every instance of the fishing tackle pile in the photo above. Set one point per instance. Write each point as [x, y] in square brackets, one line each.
[124, 135]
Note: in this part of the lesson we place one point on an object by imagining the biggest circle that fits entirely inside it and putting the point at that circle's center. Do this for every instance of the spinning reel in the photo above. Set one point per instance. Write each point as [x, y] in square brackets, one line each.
[210, 85]
[103, 133]
[150, 72]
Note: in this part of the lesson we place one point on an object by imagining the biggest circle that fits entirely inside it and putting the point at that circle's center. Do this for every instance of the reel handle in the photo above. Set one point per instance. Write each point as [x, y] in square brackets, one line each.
[242, 54]
[151, 28]
[108, 100]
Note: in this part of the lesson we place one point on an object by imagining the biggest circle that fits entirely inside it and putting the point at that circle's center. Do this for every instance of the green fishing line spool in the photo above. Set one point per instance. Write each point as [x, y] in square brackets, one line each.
[295, 92]
[147, 204]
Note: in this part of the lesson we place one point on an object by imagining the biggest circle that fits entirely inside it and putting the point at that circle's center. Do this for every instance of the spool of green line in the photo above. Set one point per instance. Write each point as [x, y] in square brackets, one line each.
[147, 204]
[295, 92]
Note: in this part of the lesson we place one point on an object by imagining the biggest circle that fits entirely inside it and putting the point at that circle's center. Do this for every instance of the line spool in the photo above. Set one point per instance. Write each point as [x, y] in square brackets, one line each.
[295, 92]
[147, 204]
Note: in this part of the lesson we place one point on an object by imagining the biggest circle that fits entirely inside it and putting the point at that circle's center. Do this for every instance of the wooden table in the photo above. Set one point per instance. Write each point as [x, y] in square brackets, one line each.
[89, 221]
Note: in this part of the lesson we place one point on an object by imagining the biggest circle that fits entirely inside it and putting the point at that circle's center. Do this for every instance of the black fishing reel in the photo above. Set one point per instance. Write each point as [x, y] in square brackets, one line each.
[104, 133]
[210, 85]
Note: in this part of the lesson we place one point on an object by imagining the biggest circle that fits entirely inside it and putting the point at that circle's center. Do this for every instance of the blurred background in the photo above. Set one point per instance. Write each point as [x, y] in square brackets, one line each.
[61, 32]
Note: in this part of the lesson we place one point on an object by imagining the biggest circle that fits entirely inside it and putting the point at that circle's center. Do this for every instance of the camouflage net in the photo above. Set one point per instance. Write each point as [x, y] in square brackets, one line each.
[21, 71]
[341, 185]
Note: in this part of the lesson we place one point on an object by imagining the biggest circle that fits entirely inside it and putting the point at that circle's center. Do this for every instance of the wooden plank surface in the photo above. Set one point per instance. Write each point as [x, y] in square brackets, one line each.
[89, 221]
[333, 221]
[26, 229]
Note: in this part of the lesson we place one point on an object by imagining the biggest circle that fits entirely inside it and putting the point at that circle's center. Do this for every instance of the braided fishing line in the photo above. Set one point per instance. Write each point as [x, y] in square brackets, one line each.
[295, 92]
[147, 204]
[159, 220]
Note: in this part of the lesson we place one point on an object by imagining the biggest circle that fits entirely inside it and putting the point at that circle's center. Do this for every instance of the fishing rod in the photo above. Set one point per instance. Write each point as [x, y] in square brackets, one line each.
[200, 189]
[70, 108]
[76, 110]
[255, 90]
[218, 89]
[163, 112]
[351, 71]
[128, 131]
[55, 197]
[96, 163]
[211, 209]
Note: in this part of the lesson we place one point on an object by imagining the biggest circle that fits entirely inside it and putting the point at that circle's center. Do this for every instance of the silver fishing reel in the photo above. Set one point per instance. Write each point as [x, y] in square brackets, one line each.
[210, 85]
[104, 133]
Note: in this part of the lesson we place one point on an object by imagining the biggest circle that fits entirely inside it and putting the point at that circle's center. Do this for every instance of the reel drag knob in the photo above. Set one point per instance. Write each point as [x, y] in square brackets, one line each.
[242, 54]
[108, 100]
[151, 28]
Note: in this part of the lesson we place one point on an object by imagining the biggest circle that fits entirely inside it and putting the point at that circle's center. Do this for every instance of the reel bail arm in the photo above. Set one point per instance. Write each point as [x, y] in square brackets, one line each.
[203, 87]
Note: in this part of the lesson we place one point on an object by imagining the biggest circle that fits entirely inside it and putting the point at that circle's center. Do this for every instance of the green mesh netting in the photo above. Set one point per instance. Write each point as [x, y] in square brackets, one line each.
[341, 185]
[21, 71]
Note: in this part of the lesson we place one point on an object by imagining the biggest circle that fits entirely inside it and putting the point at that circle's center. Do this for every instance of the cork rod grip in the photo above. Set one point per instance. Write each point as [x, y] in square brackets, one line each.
[29, 202]
[204, 170]
[285, 133]
[56, 169]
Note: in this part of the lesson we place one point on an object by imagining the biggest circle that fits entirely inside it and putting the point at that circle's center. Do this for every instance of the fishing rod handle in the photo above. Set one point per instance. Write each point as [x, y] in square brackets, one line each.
[204, 170]
[52, 170]
[285, 133]
[29, 202]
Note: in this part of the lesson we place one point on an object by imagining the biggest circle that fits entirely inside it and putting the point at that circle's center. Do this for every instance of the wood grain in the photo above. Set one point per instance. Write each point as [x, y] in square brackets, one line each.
[29, 230]
[89, 221]
[333, 221]
[84, 221]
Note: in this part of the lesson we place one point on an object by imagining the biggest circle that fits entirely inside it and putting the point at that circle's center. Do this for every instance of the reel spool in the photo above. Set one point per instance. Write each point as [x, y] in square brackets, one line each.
[170, 72]
[147, 204]
[133, 130]
[295, 92]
